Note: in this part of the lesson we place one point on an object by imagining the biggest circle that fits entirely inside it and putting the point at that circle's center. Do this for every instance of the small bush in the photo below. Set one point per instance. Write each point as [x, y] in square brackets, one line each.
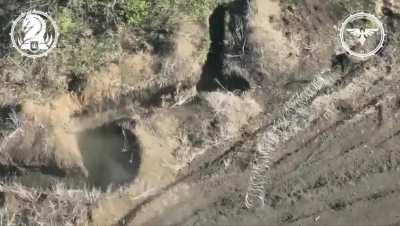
[136, 12]
[198, 9]
[66, 21]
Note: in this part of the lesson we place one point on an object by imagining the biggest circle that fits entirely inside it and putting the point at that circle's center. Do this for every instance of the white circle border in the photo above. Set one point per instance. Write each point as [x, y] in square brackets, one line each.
[53, 23]
[371, 18]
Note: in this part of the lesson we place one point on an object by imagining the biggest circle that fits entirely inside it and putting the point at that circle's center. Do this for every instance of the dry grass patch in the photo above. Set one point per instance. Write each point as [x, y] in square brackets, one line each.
[57, 205]
[102, 86]
[233, 112]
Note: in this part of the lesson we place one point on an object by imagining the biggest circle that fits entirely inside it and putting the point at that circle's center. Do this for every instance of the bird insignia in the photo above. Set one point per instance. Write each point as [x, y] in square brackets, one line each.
[362, 33]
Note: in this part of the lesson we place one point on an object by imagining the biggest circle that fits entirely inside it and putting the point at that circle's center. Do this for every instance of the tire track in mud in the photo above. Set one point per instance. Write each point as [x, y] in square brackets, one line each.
[305, 145]
[389, 138]
[317, 194]
[205, 170]
[247, 138]
[323, 134]
[211, 164]
[363, 168]
[381, 164]
[336, 132]
[266, 121]
[337, 127]
[235, 146]
[196, 180]
[338, 157]
[324, 188]
[201, 169]
[359, 111]
[211, 168]
[371, 102]
[376, 194]
[341, 205]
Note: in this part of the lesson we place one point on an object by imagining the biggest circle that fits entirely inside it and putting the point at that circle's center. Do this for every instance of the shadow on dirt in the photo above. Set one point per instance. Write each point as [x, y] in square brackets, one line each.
[212, 77]
[6, 113]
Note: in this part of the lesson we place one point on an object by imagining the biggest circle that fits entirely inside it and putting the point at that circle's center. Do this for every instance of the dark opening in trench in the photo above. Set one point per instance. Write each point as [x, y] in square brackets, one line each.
[213, 67]
[6, 113]
[76, 83]
[111, 154]
[213, 77]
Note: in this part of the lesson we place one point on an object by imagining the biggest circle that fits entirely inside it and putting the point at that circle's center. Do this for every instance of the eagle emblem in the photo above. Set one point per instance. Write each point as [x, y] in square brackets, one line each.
[362, 33]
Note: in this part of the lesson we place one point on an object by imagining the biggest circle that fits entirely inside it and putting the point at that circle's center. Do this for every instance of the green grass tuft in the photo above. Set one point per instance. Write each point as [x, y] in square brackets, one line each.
[136, 12]
[66, 21]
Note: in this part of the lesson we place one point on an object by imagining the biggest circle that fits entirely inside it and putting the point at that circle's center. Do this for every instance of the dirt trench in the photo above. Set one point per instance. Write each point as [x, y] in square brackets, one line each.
[154, 140]
[117, 130]
[341, 171]
[107, 155]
